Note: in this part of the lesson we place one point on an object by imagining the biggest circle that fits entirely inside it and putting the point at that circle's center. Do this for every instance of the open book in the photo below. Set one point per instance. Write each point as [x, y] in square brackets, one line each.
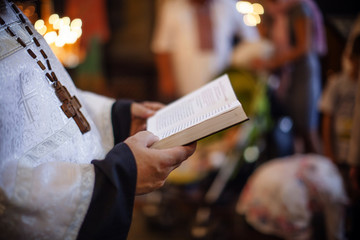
[205, 111]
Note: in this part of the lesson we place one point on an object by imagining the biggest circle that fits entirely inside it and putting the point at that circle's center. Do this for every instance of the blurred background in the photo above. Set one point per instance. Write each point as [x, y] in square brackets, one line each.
[125, 28]
[119, 48]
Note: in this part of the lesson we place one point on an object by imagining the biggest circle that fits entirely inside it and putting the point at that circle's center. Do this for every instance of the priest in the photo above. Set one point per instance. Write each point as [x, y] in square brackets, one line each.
[71, 161]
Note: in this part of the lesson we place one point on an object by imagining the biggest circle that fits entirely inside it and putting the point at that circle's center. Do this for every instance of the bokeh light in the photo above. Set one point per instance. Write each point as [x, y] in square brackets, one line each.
[62, 35]
[250, 11]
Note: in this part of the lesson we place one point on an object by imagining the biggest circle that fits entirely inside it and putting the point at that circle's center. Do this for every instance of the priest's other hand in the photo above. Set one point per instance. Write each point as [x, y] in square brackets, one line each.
[154, 165]
[140, 112]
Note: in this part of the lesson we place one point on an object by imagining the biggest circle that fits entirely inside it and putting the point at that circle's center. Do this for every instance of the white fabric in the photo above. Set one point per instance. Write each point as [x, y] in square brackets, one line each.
[280, 195]
[244, 54]
[176, 33]
[46, 179]
[99, 109]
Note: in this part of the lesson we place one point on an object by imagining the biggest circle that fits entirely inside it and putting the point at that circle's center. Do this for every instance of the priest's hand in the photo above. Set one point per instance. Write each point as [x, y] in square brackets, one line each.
[154, 165]
[140, 112]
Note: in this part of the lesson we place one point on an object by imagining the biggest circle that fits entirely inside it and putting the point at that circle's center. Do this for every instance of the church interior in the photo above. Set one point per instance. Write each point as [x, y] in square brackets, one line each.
[111, 55]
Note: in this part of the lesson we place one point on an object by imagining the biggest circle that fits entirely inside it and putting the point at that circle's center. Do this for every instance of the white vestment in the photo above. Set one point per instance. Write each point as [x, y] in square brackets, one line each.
[46, 179]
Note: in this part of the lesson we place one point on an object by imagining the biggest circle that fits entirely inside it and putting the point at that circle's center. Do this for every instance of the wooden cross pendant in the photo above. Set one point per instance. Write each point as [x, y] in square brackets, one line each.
[71, 107]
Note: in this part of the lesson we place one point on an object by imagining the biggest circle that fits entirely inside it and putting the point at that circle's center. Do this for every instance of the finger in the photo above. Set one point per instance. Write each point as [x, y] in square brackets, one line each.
[180, 153]
[190, 148]
[141, 111]
[154, 105]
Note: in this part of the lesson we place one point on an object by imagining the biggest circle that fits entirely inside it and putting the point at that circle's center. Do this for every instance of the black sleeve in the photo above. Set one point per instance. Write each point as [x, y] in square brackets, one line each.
[121, 120]
[110, 211]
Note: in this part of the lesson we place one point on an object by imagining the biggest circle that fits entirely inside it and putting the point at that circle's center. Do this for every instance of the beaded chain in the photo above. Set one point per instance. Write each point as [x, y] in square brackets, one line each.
[70, 105]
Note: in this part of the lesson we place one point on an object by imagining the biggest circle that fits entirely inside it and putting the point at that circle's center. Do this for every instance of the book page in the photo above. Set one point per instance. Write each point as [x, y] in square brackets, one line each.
[209, 101]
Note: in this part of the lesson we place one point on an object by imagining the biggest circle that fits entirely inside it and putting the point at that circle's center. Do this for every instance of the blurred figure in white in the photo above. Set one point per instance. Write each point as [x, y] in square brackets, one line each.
[193, 42]
[283, 195]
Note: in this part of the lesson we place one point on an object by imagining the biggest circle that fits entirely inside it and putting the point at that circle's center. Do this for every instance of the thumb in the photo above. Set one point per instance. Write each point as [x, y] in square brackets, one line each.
[146, 138]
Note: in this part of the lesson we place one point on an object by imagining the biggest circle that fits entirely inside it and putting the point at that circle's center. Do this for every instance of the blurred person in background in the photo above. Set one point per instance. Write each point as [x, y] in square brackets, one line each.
[193, 42]
[338, 105]
[340, 133]
[295, 28]
[354, 155]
